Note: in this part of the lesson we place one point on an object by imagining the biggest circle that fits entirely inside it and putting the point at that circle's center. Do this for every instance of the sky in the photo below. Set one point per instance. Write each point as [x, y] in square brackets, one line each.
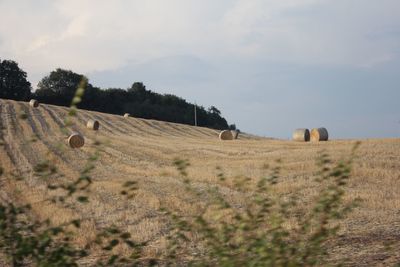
[270, 66]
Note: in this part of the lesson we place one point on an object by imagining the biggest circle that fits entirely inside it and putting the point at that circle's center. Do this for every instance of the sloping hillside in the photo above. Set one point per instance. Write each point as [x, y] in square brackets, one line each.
[143, 151]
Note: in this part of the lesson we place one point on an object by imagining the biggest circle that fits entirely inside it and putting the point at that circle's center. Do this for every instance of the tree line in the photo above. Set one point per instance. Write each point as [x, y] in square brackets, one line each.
[58, 88]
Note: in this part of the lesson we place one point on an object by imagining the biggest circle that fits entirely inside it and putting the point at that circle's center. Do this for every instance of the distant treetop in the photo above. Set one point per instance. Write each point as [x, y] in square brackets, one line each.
[13, 82]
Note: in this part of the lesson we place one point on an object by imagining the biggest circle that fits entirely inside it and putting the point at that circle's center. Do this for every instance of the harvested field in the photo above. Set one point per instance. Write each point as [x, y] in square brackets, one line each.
[143, 150]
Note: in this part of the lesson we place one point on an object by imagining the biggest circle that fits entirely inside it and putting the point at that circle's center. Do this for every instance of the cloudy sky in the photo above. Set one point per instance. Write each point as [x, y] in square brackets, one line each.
[270, 66]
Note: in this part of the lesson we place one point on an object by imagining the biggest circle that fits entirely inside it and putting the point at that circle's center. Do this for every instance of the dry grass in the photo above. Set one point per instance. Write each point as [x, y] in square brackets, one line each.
[143, 150]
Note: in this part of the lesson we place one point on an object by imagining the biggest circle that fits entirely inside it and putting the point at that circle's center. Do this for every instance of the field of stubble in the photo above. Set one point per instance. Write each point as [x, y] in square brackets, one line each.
[143, 150]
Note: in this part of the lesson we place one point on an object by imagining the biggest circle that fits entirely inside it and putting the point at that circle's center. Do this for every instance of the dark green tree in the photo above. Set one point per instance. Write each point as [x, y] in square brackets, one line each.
[59, 87]
[13, 82]
[93, 99]
[232, 126]
[138, 93]
[215, 120]
[214, 110]
[137, 87]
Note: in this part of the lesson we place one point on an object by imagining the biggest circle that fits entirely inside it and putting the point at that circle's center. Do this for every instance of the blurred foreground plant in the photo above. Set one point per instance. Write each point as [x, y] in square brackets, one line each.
[266, 231]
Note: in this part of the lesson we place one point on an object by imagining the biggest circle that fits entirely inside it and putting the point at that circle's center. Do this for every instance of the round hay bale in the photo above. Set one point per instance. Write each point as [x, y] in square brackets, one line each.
[225, 135]
[34, 103]
[93, 125]
[301, 135]
[76, 140]
[127, 115]
[319, 134]
[235, 134]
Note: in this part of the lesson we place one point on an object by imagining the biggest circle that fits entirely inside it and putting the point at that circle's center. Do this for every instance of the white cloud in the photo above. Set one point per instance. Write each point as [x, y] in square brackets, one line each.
[313, 32]
[99, 35]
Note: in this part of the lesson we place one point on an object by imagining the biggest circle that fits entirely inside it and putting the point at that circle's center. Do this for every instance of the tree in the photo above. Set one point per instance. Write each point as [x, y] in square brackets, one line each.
[93, 99]
[215, 120]
[59, 87]
[138, 92]
[13, 83]
[214, 110]
[137, 87]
